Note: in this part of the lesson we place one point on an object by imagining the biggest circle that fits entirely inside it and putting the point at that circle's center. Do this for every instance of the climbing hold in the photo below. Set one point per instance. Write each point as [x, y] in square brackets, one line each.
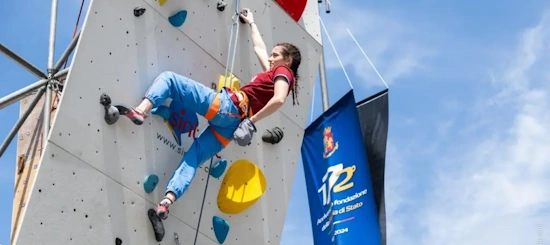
[111, 113]
[221, 5]
[138, 11]
[243, 184]
[273, 136]
[245, 13]
[118, 241]
[232, 82]
[217, 170]
[156, 222]
[176, 238]
[178, 19]
[150, 182]
[221, 228]
[162, 2]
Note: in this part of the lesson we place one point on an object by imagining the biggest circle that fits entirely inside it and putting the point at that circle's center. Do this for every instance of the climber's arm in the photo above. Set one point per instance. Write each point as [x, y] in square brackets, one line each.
[259, 46]
[278, 99]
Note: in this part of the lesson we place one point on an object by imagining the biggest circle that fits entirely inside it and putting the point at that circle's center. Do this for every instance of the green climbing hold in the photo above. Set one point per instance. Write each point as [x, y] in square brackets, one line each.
[150, 182]
[221, 228]
[178, 19]
[218, 169]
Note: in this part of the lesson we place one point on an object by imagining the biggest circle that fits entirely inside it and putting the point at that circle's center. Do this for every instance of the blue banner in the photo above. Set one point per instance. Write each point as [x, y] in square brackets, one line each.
[341, 200]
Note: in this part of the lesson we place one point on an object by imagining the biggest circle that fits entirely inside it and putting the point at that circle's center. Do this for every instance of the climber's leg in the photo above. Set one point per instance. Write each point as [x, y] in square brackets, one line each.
[211, 141]
[191, 94]
[204, 147]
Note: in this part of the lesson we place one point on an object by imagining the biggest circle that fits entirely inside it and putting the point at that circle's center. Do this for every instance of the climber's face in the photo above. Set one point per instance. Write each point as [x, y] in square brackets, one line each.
[277, 58]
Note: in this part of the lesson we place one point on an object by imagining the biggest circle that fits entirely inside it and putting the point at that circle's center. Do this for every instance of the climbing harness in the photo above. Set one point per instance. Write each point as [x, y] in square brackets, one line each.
[242, 102]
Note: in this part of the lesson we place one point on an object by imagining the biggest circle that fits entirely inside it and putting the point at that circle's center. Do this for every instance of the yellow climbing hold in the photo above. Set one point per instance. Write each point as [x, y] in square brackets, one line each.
[232, 82]
[162, 2]
[243, 184]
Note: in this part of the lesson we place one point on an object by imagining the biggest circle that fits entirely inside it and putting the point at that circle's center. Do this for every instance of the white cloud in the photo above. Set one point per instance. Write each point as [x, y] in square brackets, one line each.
[392, 46]
[482, 175]
[490, 185]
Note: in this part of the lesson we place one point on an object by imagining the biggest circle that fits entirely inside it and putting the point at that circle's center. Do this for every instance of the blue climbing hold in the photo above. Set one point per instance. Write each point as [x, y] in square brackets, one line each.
[221, 228]
[218, 169]
[178, 19]
[150, 182]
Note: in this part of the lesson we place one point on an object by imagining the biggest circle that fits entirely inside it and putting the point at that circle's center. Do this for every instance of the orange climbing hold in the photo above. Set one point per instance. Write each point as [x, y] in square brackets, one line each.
[243, 184]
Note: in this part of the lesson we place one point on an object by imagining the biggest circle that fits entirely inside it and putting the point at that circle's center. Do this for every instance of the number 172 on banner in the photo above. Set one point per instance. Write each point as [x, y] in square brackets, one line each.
[335, 172]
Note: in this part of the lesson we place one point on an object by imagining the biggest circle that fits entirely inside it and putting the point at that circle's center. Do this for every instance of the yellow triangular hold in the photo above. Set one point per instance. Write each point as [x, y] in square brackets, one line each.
[162, 2]
[243, 184]
[232, 82]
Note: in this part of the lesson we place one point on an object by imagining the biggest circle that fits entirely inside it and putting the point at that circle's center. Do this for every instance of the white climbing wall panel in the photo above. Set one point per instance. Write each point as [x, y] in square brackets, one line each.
[89, 189]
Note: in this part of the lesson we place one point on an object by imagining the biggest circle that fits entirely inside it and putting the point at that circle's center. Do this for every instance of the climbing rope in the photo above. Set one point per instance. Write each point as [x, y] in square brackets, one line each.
[235, 20]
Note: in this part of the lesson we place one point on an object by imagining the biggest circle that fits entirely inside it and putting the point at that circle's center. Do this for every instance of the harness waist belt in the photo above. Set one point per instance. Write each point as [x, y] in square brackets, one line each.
[242, 103]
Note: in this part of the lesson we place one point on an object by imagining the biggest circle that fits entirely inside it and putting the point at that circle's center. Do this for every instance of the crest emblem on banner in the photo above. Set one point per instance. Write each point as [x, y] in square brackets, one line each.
[328, 140]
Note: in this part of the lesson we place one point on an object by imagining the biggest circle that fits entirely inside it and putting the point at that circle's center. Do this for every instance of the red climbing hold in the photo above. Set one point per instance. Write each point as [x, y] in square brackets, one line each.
[295, 8]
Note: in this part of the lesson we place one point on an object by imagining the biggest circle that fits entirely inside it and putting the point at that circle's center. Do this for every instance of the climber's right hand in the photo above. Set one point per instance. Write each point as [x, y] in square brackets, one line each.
[249, 18]
[244, 133]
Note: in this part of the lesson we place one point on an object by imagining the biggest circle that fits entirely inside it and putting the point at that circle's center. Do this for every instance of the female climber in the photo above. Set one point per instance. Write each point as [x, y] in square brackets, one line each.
[231, 114]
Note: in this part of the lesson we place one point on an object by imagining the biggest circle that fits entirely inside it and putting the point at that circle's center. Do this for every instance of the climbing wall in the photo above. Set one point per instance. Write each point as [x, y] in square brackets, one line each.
[89, 187]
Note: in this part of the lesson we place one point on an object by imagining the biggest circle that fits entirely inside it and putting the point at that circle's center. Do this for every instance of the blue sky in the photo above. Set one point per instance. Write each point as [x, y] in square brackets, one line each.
[468, 158]
[25, 30]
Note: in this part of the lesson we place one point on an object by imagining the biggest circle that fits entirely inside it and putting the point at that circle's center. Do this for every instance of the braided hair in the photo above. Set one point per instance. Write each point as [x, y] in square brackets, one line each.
[291, 51]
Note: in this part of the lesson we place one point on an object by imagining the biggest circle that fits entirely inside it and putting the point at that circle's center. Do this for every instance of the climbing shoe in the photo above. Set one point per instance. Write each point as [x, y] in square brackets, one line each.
[135, 115]
[162, 208]
[162, 211]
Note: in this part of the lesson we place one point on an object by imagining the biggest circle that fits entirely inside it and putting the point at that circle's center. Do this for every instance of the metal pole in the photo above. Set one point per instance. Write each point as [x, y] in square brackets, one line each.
[24, 63]
[19, 94]
[322, 73]
[46, 115]
[20, 122]
[53, 22]
[51, 71]
[323, 77]
[67, 52]
[61, 73]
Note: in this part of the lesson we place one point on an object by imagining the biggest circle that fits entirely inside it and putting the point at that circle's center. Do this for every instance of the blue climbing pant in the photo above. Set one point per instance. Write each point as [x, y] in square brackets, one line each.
[218, 108]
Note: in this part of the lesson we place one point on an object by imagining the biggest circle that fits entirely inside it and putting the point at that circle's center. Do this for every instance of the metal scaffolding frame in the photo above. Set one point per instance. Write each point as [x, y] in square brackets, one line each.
[48, 83]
